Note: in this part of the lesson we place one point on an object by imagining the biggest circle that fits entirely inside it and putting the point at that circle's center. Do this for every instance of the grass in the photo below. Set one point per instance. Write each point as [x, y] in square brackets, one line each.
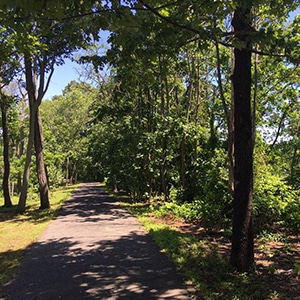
[18, 231]
[203, 262]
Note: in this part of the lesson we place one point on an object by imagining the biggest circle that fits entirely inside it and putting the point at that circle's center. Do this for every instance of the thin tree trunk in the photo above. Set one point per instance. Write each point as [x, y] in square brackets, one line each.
[293, 163]
[40, 165]
[5, 182]
[231, 133]
[242, 251]
[229, 122]
[26, 174]
[35, 96]
[75, 174]
[164, 106]
[73, 179]
[279, 128]
[19, 155]
[12, 189]
[163, 169]
[255, 90]
[183, 163]
[33, 106]
[20, 150]
[67, 170]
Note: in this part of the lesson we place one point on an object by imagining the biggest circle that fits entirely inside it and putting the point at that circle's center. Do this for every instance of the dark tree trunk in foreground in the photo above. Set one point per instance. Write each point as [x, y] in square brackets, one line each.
[242, 251]
[5, 182]
[40, 165]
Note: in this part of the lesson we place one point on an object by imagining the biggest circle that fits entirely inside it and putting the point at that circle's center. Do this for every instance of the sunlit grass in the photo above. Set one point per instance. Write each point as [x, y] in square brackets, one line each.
[18, 231]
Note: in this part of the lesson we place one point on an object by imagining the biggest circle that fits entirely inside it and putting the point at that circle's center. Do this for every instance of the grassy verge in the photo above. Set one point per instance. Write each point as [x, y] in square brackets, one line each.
[17, 231]
[203, 260]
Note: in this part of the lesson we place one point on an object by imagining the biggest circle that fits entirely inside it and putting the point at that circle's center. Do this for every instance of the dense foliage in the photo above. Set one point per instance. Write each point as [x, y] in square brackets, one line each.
[163, 128]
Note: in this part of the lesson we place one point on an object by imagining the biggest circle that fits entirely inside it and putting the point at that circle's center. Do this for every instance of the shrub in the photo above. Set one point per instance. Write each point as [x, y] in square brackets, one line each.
[275, 202]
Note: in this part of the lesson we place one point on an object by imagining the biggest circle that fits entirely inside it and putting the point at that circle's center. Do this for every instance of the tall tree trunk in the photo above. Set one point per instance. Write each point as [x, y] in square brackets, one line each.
[26, 174]
[294, 162]
[12, 189]
[163, 170]
[73, 178]
[33, 107]
[229, 120]
[35, 96]
[242, 251]
[67, 170]
[231, 132]
[19, 155]
[5, 182]
[164, 144]
[20, 150]
[183, 164]
[40, 165]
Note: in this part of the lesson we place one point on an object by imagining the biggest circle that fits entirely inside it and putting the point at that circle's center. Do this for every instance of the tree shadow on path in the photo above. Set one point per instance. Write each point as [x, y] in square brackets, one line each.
[95, 250]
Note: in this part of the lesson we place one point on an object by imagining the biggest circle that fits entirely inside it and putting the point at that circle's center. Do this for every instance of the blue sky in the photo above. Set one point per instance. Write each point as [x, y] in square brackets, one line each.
[61, 77]
[66, 73]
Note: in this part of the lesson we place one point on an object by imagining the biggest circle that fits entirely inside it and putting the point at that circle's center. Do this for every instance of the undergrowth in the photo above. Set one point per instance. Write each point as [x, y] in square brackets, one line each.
[203, 261]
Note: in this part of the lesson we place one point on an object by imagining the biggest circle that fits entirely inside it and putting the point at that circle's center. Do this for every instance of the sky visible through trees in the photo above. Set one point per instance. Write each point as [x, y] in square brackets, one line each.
[70, 70]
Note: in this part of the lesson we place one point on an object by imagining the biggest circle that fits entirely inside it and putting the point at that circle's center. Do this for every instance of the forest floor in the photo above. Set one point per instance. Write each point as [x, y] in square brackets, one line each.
[277, 255]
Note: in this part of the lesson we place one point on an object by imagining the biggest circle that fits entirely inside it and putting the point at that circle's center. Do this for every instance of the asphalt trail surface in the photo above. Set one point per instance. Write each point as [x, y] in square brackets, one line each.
[95, 249]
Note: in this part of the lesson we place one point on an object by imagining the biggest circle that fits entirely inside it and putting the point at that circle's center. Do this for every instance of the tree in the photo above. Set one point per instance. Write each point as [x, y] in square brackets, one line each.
[8, 67]
[68, 141]
[268, 39]
[46, 41]
[35, 136]
[5, 183]
[242, 252]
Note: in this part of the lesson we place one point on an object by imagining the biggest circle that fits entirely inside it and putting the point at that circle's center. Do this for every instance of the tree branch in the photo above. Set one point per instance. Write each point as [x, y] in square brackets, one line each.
[278, 130]
[154, 11]
[211, 37]
[295, 60]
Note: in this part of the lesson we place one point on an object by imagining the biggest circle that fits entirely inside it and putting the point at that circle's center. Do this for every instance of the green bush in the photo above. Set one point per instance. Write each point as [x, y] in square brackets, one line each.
[188, 211]
[291, 216]
[275, 202]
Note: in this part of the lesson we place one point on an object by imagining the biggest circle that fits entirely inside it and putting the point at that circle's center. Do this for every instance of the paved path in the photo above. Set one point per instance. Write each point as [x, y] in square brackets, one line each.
[95, 249]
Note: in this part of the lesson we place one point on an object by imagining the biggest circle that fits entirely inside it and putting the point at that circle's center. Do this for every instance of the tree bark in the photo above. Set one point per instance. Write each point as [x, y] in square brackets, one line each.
[164, 145]
[294, 162]
[163, 170]
[5, 182]
[242, 251]
[30, 87]
[19, 154]
[229, 121]
[26, 174]
[35, 137]
[20, 151]
[40, 165]
[73, 178]
[67, 170]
